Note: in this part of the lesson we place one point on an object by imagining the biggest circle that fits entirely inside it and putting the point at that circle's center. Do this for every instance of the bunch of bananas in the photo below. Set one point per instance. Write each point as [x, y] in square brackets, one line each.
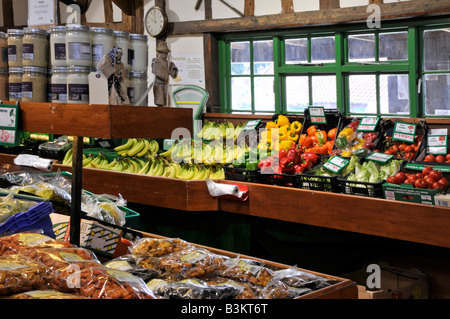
[219, 130]
[217, 152]
[68, 157]
[137, 147]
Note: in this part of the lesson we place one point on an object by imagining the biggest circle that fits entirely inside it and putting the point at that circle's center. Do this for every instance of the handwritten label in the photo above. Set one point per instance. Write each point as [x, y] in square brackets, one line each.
[317, 115]
[437, 144]
[41, 12]
[336, 164]
[8, 125]
[368, 124]
[405, 132]
[379, 157]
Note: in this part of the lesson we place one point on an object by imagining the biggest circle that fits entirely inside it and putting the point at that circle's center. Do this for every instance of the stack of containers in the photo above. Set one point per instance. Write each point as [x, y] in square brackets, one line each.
[138, 64]
[4, 66]
[15, 42]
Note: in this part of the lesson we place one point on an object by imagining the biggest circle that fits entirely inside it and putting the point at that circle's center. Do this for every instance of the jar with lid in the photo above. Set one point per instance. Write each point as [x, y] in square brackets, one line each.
[78, 45]
[58, 45]
[102, 43]
[15, 84]
[15, 42]
[34, 84]
[122, 40]
[35, 47]
[4, 50]
[137, 87]
[78, 84]
[3, 84]
[138, 53]
[58, 85]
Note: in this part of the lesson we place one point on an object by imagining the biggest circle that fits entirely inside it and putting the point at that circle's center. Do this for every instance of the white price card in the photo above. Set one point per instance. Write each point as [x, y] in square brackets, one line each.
[437, 144]
[405, 132]
[317, 115]
[368, 124]
[8, 124]
[379, 157]
[41, 12]
[336, 164]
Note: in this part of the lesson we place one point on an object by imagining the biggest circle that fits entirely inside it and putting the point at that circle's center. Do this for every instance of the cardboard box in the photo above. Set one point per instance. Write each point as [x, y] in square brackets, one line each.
[395, 284]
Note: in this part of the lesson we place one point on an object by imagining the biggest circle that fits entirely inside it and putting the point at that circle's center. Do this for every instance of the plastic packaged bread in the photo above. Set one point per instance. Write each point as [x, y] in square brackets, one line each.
[248, 270]
[105, 283]
[45, 294]
[13, 244]
[157, 247]
[19, 273]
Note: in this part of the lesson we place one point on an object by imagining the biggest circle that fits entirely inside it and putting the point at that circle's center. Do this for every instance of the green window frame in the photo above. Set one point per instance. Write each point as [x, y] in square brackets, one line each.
[343, 69]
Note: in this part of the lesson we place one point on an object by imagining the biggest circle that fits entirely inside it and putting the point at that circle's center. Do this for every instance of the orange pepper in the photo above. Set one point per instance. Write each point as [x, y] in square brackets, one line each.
[311, 131]
[329, 145]
[313, 140]
[305, 140]
[321, 136]
[320, 149]
[332, 133]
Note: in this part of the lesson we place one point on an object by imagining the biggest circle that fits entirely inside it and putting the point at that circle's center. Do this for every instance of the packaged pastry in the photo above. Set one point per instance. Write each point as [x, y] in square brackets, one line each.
[19, 273]
[157, 247]
[60, 258]
[294, 277]
[248, 270]
[45, 294]
[190, 263]
[107, 283]
[278, 290]
[241, 290]
[129, 264]
[13, 244]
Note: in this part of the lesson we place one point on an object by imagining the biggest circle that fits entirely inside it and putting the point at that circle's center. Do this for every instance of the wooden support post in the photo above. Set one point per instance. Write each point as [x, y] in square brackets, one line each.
[75, 207]
[329, 4]
[8, 13]
[287, 6]
[249, 8]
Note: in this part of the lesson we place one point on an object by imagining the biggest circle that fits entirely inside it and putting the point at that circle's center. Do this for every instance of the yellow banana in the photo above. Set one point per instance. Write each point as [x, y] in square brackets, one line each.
[144, 168]
[67, 157]
[137, 148]
[144, 149]
[125, 146]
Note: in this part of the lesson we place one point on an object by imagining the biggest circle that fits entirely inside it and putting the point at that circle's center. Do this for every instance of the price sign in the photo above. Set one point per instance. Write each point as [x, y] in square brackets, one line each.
[368, 124]
[336, 164]
[437, 142]
[405, 132]
[317, 115]
[251, 125]
[9, 118]
[379, 157]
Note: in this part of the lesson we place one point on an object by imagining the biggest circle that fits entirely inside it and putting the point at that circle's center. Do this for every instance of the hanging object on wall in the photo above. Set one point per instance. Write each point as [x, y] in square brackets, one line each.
[156, 22]
[197, 5]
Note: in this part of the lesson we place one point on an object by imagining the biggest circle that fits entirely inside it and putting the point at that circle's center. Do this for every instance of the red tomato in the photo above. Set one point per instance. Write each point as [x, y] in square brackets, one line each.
[437, 185]
[402, 146]
[429, 180]
[443, 181]
[420, 183]
[389, 152]
[409, 149]
[401, 177]
[435, 175]
[427, 170]
[419, 175]
[412, 178]
[409, 156]
[394, 148]
[408, 181]
[430, 158]
[393, 180]
[440, 159]
[447, 157]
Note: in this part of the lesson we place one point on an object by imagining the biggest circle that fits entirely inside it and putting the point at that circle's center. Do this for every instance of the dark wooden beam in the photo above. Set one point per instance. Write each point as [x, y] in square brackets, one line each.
[287, 6]
[208, 10]
[108, 9]
[329, 4]
[249, 8]
[321, 17]
[8, 13]
[211, 61]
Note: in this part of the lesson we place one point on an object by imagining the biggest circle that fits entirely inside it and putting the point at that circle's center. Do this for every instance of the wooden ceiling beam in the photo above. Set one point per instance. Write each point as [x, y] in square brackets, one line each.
[358, 14]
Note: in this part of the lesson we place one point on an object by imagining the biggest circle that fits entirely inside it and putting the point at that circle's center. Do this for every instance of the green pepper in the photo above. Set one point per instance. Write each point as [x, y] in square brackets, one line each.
[341, 142]
[361, 152]
[251, 165]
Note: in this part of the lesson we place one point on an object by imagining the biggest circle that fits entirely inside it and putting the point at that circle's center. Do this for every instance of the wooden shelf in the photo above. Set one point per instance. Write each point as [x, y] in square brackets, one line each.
[104, 121]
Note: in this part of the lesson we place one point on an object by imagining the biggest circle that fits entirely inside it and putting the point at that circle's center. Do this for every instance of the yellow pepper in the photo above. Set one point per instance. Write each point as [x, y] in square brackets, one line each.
[292, 136]
[286, 144]
[282, 120]
[296, 126]
[283, 136]
[348, 133]
[271, 124]
[346, 153]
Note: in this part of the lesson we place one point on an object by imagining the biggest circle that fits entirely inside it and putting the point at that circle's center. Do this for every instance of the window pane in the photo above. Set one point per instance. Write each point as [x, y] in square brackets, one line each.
[393, 46]
[296, 51]
[363, 97]
[241, 96]
[297, 93]
[361, 47]
[437, 50]
[263, 57]
[436, 89]
[394, 94]
[324, 91]
[322, 50]
[240, 58]
[264, 95]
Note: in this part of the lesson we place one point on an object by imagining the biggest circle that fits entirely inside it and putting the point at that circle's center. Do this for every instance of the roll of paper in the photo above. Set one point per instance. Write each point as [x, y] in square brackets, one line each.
[217, 189]
[33, 161]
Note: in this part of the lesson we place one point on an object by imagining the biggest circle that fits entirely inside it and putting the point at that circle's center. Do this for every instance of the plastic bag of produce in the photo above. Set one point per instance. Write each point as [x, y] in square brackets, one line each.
[46, 294]
[107, 283]
[157, 247]
[243, 290]
[278, 290]
[60, 258]
[247, 270]
[294, 277]
[10, 206]
[19, 273]
[13, 244]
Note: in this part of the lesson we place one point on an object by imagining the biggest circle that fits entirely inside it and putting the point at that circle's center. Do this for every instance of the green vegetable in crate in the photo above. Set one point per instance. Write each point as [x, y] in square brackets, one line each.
[350, 141]
[371, 172]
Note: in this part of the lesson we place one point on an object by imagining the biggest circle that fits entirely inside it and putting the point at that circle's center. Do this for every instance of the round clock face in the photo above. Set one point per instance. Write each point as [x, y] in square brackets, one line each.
[155, 21]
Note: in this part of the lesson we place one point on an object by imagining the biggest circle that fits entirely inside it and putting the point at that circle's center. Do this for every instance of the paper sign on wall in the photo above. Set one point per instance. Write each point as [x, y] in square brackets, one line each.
[41, 12]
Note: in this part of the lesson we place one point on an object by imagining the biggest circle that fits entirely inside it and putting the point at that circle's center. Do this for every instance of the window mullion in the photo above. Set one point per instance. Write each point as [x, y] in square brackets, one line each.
[415, 70]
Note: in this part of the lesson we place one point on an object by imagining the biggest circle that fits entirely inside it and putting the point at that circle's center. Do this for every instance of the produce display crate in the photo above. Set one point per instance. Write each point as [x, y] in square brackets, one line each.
[241, 174]
[420, 158]
[286, 180]
[361, 188]
[407, 193]
[310, 181]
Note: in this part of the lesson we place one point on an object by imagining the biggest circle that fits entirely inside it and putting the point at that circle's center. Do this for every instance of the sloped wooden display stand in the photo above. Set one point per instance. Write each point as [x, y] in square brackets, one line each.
[105, 121]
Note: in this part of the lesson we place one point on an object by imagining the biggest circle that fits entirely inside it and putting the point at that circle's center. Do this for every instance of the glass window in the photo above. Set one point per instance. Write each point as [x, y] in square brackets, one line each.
[297, 93]
[262, 57]
[363, 94]
[323, 50]
[240, 58]
[361, 47]
[241, 94]
[436, 88]
[393, 46]
[436, 50]
[394, 94]
[324, 91]
[296, 51]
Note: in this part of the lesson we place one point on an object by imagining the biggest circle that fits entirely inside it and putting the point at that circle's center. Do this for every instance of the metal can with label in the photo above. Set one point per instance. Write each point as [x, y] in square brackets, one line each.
[78, 84]
[78, 45]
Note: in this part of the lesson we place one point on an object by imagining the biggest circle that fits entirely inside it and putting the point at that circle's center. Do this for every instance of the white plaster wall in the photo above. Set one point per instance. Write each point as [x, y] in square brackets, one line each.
[353, 3]
[302, 5]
